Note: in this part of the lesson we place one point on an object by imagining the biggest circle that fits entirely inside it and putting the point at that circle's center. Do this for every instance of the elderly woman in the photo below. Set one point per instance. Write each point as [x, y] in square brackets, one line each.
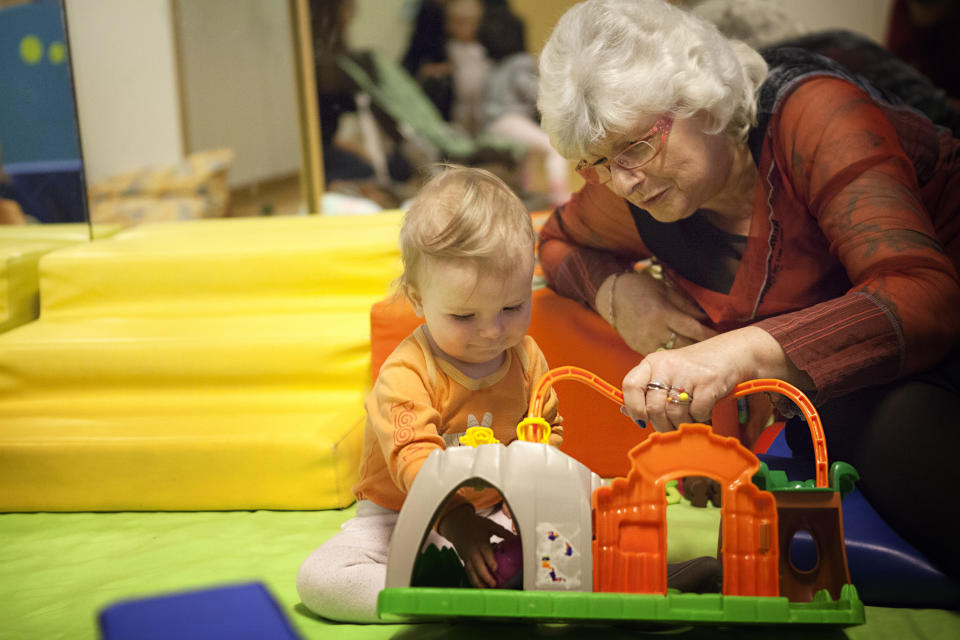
[806, 228]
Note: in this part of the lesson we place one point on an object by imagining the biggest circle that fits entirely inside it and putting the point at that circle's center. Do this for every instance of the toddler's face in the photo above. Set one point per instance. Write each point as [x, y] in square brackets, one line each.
[474, 317]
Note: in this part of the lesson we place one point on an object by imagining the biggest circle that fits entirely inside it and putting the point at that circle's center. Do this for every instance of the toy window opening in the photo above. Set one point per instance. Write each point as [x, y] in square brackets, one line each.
[804, 552]
[441, 566]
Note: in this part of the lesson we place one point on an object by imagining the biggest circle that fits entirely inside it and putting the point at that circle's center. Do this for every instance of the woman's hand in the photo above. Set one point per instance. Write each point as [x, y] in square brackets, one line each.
[653, 391]
[649, 314]
[470, 536]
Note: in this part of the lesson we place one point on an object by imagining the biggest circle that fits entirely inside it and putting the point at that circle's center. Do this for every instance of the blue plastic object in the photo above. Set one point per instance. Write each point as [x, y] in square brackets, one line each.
[886, 569]
[238, 612]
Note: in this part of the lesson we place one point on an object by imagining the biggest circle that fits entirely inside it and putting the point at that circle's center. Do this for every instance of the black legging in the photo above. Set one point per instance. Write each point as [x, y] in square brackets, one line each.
[904, 440]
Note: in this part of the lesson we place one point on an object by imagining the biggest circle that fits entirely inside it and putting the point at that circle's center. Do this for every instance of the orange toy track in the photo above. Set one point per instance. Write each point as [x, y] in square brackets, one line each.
[744, 388]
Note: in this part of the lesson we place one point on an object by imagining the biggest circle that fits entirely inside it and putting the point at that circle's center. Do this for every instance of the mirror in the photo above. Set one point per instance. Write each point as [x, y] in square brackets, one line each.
[202, 108]
[41, 175]
[194, 109]
[389, 110]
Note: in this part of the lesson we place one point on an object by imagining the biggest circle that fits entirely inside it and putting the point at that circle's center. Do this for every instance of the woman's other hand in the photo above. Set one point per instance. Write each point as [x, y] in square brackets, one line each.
[650, 314]
[669, 388]
[470, 535]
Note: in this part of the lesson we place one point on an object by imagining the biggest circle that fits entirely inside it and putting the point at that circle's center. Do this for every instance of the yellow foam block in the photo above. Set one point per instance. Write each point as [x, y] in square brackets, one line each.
[325, 349]
[19, 288]
[66, 233]
[205, 266]
[202, 365]
[228, 453]
[21, 248]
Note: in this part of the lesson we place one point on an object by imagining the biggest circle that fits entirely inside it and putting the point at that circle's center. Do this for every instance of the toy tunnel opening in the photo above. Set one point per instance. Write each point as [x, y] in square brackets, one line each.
[804, 552]
[441, 566]
[694, 567]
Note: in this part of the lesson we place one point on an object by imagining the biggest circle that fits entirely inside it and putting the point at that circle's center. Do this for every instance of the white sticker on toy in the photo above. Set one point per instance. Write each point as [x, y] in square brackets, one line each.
[558, 560]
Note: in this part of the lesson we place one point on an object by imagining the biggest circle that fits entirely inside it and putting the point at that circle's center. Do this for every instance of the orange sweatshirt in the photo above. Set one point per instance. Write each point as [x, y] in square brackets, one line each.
[421, 403]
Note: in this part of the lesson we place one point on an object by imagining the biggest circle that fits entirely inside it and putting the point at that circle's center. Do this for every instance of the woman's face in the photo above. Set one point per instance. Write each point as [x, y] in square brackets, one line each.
[691, 170]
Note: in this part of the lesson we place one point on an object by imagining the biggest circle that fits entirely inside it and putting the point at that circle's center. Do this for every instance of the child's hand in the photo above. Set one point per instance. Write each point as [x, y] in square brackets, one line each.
[506, 511]
[470, 536]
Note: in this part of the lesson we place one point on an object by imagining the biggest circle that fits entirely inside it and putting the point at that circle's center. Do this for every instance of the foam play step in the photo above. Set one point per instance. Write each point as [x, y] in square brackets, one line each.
[213, 364]
[205, 266]
[324, 349]
[21, 248]
[104, 405]
[19, 288]
[227, 451]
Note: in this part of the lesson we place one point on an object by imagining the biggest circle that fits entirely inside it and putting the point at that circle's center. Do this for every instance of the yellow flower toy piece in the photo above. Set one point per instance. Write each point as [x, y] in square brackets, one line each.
[475, 436]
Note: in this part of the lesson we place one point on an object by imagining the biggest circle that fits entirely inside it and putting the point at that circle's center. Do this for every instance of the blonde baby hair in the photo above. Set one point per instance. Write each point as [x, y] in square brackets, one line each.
[464, 213]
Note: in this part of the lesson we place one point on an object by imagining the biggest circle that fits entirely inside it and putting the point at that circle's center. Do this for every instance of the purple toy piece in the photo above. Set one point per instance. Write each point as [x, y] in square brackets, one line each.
[509, 557]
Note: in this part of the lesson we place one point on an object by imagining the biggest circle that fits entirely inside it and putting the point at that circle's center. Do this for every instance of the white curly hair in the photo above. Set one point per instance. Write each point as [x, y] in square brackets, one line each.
[609, 63]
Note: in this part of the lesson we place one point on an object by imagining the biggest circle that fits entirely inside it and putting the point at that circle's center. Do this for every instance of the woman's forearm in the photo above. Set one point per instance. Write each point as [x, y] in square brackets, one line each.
[769, 360]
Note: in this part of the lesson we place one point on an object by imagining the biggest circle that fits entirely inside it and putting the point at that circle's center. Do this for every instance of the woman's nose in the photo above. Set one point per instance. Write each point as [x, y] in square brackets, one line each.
[625, 181]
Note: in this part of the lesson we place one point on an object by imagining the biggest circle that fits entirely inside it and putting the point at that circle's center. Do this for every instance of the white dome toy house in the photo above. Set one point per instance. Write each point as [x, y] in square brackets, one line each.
[548, 493]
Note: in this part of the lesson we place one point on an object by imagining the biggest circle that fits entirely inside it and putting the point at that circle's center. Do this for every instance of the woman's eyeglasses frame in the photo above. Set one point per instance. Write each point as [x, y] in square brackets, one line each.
[598, 172]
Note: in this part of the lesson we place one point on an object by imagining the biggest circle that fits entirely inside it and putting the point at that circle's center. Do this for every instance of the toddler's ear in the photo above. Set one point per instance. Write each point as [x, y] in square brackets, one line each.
[414, 297]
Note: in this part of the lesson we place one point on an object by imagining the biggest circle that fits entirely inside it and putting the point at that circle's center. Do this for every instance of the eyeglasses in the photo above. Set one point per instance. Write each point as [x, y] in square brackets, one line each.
[636, 155]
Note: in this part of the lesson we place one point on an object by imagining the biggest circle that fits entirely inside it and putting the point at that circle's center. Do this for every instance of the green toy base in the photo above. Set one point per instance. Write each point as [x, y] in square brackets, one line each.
[423, 604]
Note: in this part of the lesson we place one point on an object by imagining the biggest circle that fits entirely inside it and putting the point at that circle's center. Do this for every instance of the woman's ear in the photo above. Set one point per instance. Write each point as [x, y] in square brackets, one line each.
[415, 301]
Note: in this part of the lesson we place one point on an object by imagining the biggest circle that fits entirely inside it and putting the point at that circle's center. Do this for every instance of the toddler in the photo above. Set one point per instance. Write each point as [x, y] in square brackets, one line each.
[467, 248]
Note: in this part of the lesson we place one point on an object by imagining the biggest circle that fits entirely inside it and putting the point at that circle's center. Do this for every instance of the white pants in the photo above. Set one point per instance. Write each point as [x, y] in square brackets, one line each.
[341, 579]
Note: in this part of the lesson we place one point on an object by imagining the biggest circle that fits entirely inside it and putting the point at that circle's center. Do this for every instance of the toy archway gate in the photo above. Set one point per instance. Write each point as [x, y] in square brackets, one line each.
[630, 546]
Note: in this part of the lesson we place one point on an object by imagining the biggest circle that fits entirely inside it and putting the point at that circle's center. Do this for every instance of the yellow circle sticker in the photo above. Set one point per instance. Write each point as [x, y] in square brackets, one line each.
[57, 52]
[31, 49]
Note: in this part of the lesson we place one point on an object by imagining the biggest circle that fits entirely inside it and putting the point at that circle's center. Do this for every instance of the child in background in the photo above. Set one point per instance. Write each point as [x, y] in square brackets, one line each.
[467, 248]
[510, 99]
[469, 64]
[426, 55]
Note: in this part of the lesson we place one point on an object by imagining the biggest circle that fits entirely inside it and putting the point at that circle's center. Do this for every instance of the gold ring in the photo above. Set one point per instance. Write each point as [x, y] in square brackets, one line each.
[677, 395]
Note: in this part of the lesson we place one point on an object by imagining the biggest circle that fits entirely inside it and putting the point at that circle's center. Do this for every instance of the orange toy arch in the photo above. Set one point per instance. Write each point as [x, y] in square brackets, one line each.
[630, 541]
[570, 373]
[821, 461]
[810, 414]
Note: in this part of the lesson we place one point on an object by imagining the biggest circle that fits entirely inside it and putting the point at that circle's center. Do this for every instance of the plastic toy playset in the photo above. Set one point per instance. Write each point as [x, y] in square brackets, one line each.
[592, 552]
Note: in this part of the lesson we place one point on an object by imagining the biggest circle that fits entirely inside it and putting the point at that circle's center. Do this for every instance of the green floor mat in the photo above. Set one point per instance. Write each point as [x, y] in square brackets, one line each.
[58, 570]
